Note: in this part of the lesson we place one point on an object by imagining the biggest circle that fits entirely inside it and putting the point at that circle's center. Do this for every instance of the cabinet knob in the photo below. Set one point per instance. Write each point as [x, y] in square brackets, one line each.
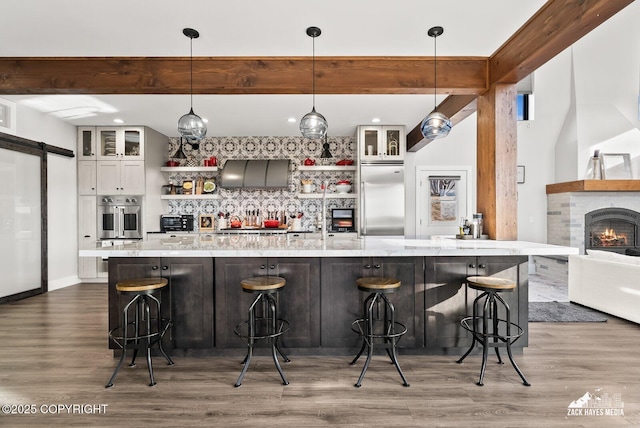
[482, 266]
[263, 266]
[472, 266]
[367, 266]
[272, 267]
[165, 267]
[376, 266]
[154, 267]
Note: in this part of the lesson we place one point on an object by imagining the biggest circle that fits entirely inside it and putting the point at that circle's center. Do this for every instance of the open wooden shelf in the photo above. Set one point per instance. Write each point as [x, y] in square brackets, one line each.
[594, 186]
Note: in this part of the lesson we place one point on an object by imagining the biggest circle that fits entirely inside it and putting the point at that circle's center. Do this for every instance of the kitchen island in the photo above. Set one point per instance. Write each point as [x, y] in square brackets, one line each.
[320, 299]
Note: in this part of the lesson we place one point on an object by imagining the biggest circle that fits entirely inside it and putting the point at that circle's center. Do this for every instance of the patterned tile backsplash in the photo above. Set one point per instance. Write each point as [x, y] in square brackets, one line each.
[237, 202]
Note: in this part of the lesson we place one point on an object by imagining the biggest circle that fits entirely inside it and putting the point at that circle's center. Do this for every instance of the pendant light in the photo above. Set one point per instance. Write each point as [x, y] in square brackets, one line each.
[179, 154]
[436, 124]
[191, 126]
[326, 154]
[313, 125]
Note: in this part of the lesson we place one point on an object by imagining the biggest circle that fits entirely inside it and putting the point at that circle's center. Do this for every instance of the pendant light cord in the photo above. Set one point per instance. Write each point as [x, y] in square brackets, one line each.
[313, 71]
[435, 73]
[191, 62]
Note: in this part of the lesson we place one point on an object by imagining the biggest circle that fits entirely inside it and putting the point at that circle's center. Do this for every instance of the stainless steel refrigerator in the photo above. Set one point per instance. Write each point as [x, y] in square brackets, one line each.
[381, 209]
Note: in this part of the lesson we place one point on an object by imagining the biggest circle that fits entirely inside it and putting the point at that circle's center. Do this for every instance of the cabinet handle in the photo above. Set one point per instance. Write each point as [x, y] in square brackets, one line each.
[87, 236]
[472, 266]
[263, 266]
[376, 266]
[367, 266]
[154, 267]
[272, 267]
[165, 267]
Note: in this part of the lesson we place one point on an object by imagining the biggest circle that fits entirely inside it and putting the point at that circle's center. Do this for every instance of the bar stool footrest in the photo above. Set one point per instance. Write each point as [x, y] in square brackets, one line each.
[152, 338]
[468, 322]
[242, 329]
[357, 327]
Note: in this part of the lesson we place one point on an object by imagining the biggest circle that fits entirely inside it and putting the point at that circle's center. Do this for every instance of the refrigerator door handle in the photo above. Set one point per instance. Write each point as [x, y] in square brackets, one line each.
[363, 209]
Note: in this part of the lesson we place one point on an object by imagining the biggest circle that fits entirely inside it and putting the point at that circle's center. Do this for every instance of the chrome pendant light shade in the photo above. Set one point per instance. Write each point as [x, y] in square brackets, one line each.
[436, 124]
[191, 126]
[313, 125]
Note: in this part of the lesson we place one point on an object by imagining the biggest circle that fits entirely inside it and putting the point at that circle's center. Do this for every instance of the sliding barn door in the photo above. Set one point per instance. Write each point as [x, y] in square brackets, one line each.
[22, 222]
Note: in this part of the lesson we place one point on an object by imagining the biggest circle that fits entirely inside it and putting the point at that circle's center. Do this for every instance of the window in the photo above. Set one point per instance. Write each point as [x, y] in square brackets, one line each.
[525, 106]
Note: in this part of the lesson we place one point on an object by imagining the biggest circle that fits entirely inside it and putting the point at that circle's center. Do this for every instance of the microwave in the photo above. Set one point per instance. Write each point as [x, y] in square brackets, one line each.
[342, 220]
[176, 223]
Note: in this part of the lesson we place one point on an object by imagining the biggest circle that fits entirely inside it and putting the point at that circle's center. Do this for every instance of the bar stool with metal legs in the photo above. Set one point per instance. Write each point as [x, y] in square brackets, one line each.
[372, 326]
[487, 328]
[141, 332]
[263, 322]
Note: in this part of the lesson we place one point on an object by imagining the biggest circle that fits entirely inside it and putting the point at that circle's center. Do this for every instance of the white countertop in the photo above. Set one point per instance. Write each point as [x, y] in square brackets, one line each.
[281, 246]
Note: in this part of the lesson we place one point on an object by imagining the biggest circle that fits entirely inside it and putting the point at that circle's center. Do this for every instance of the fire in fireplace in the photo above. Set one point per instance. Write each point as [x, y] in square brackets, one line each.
[611, 229]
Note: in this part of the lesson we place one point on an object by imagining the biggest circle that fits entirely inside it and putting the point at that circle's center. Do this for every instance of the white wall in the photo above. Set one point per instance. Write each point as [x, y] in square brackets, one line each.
[62, 193]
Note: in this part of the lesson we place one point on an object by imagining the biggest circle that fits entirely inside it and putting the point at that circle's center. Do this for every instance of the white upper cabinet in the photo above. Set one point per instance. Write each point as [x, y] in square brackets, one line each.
[381, 143]
[120, 177]
[87, 143]
[122, 143]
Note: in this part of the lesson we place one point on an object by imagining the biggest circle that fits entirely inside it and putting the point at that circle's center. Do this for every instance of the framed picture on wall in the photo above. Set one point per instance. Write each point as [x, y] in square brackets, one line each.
[616, 166]
[206, 222]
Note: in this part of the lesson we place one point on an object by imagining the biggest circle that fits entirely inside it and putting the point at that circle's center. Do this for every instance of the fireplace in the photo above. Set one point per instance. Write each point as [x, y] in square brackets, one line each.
[611, 229]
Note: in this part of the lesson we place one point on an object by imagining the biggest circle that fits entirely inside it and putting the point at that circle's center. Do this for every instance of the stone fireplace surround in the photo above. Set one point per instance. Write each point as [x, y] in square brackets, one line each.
[567, 204]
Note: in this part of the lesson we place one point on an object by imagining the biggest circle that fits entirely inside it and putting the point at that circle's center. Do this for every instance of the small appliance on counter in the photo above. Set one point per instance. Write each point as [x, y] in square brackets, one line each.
[176, 223]
[342, 220]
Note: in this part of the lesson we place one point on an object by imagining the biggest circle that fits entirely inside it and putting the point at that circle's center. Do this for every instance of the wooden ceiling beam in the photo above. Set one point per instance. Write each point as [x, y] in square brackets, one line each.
[240, 75]
[556, 26]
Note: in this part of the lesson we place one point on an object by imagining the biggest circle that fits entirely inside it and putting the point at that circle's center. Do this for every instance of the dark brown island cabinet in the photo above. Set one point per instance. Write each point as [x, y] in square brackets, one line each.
[320, 300]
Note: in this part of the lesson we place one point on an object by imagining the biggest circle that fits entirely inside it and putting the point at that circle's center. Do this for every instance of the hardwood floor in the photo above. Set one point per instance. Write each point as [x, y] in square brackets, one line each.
[53, 350]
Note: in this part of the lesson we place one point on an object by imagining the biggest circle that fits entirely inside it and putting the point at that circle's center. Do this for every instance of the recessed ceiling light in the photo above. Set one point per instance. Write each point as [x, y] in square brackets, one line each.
[292, 120]
[375, 120]
[118, 120]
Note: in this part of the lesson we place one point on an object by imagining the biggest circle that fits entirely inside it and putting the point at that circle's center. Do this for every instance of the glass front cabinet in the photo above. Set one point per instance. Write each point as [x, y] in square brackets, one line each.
[87, 143]
[381, 143]
[121, 143]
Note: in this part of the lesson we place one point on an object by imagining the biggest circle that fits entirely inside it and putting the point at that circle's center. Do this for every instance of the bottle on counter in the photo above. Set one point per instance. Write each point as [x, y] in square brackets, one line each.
[477, 225]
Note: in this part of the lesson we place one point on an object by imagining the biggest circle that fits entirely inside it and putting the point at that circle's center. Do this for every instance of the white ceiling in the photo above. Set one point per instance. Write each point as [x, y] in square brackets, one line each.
[250, 28]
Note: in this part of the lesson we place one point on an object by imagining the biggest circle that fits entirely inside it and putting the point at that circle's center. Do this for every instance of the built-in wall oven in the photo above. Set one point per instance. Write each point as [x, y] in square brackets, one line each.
[119, 217]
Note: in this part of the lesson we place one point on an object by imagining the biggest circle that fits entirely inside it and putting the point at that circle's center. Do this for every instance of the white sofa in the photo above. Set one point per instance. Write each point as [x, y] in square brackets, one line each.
[606, 281]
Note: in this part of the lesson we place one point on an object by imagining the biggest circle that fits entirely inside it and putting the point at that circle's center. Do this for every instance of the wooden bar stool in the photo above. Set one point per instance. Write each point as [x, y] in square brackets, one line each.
[371, 327]
[487, 328]
[140, 333]
[264, 325]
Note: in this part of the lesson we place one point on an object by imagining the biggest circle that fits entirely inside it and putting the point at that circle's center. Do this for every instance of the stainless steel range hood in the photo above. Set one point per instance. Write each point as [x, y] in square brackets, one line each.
[263, 173]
